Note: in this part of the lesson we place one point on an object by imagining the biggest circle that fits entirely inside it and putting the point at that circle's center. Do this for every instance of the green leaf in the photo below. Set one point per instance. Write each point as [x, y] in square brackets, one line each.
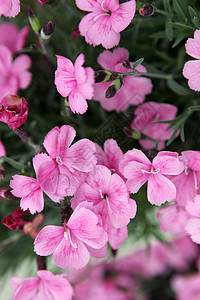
[169, 30]
[137, 63]
[13, 163]
[182, 27]
[178, 89]
[182, 133]
[195, 21]
[179, 39]
[157, 35]
[179, 11]
[167, 5]
[194, 108]
[192, 12]
[172, 137]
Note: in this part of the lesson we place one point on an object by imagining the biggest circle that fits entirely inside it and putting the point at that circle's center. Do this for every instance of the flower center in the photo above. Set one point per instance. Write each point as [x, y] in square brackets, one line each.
[59, 160]
[106, 12]
[152, 171]
[67, 235]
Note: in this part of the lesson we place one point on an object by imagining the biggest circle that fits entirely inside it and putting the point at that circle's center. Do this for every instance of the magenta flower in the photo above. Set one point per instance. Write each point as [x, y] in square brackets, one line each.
[13, 111]
[9, 8]
[193, 225]
[71, 243]
[134, 89]
[149, 112]
[110, 157]
[186, 286]
[109, 196]
[192, 67]
[69, 165]
[30, 191]
[13, 74]
[105, 21]
[138, 169]
[74, 82]
[45, 286]
[13, 38]
[188, 182]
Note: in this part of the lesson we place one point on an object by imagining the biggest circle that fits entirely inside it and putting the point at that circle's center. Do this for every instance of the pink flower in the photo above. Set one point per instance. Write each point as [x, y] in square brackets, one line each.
[134, 88]
[13, 38]
[193, 224]
[109, 196]
[74, 82]
[187, 287]
[14, 221]
[70, 243]
[138, 169]
[107, 18]
[69, 165]
[192, 67]
[188, 182]
[29, 189]
[9, 8]
[148, 112]
[13, 74]
[13, 111]
[45, 286]
[110, 157]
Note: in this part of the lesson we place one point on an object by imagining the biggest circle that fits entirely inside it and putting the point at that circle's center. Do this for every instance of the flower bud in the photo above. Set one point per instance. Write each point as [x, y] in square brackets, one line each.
[13, 111]
[103, 76]
[146, 10]
[33, 20]
[126, 64]
[114, 88]
[47, 30]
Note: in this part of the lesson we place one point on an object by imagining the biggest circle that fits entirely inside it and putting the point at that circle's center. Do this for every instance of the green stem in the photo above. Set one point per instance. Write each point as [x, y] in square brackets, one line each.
[161, 12]
[147, 74]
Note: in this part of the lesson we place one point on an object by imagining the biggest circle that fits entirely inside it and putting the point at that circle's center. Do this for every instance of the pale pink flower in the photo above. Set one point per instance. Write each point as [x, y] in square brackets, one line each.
[29, 189]
[134, 88]
[192, 67]
[193, 224]
[172, 219]
[188, 182]
[187, 287]
[13, 74]
[149, 112]
[45, 286]
[110, 198]
[9, 8]
[13, 111]
[110, 157]
[105, 21]
[68, 165]
[74, 82]
[138, 169]
[12, 37]
[70, 243]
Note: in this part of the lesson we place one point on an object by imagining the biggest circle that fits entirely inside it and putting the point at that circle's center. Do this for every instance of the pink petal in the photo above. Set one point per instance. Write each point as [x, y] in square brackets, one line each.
[193, 45]
[86, 89]
[85, 193]
[135, 173]
[193, 207]
[5, 58]
[48, 239]
[83, 224]
[117, 189]
[192, 159]
[65, 64]
[98, 253]
[15, 9]
[34, 201]
[160, 189]
[40, 159]
[64, 83]
[117, 236]
[108, 60]
[80, 156]
[57, 141]
[5, 6]
[193, 228]
[191, 71]
[66, 255]
[99, 179]
[122, 17]
[77, 102]
[79, 70]
[28, 289]
[88, 5]
[168, 165]
[135, 155]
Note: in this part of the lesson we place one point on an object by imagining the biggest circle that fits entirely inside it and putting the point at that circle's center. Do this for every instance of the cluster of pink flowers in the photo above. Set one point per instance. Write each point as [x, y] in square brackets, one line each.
[14, 74]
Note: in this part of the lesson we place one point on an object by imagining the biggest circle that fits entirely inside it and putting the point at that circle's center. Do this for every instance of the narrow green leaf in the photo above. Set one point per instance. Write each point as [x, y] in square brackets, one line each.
[195, 21]
[182, 133]
[179, 11]
[13, 163]
[179, 39]
[137, 63]
[172, 138]
[182, 27]
[167, 5]
[194, 108]
[192, 12]
[157, 35]
[178, 89]
[169, 30]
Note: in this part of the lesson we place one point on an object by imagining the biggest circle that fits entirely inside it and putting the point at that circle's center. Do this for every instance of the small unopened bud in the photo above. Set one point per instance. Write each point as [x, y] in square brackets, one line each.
[103, 76]
[47, 30]
[146, 10]
[33, 20]
[126, 64]
[114, 88]
[136, 134]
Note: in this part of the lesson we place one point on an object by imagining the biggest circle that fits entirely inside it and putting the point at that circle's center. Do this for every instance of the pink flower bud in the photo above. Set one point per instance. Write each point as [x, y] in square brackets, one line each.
[13, 111]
